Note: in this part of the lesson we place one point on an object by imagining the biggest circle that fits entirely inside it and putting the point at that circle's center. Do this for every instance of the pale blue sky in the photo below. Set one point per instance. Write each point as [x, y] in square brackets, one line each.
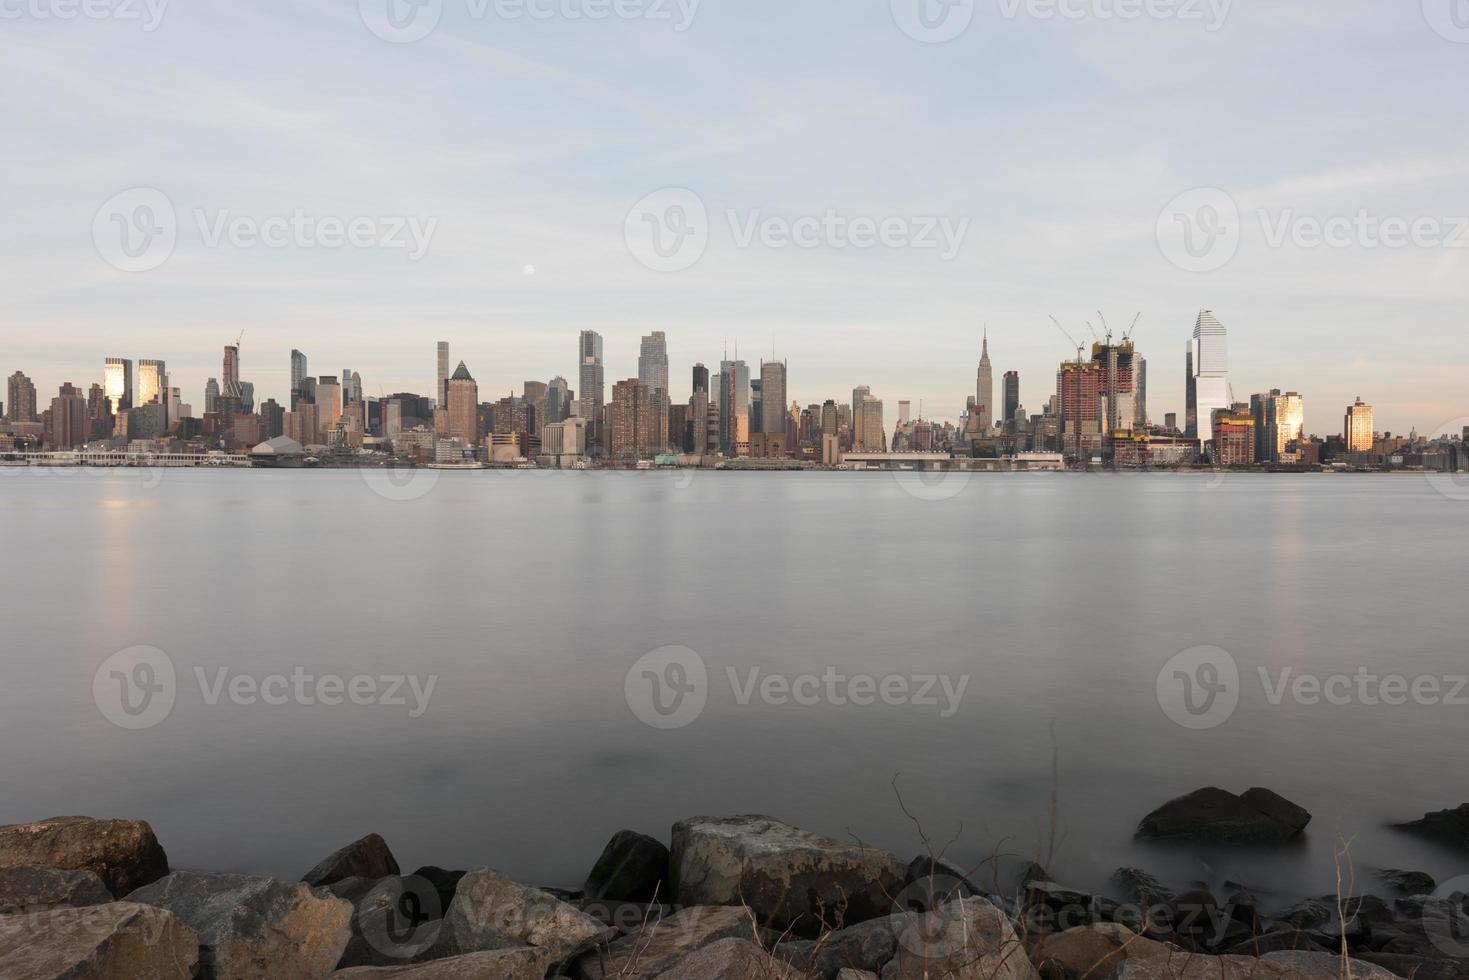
[1060, 141]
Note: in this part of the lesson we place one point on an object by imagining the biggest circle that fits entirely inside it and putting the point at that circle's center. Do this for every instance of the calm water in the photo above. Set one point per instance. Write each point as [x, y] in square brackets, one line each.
[530, 596]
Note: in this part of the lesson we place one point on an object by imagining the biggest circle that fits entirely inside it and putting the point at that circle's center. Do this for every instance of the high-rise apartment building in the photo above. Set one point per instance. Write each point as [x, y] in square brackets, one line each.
[463, 404]
[20, 399]
[1358, 428]
[68, 418]
[229, 386]
[1208, 374]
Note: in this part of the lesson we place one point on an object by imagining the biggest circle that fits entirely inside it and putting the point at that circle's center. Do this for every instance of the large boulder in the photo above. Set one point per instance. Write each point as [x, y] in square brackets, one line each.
[123, 853]
[492, 912]
[633, 868]
[31, 889]
[1446, 826]
[968, 939]
[866, 946]
[793, 879]
[116, 941]
[1256, 816]
[729, 959]
[1408, 882]
[1142, 888]
[394, 919]
[251, 927]
[1327, 966]
[660, 944]
[1099, 950]
[365, 858]
[521, 963]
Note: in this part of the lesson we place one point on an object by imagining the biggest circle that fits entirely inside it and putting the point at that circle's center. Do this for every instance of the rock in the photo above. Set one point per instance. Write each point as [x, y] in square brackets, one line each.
[34, 889]
[1140, 887]
[633, 868]
[936, 877]
[793, 879]
[850, 974]
[1408, 882]
[446, 883]
[1099, 950]
[1030, 871]
[1214, 815]
[522, 963]
[1447, 826]
[366, 858]
[1277, 942]
[968, 939]
[866, 946]
[1417, 967]
[123, 853]
[1369, 909]
[251, 927]
[394, 920]
[116, 941]
[662, 943]
[729, 959]
[1196, 915]
[492, 912]
[1307, 915]
[625, 917]
[1327, 966]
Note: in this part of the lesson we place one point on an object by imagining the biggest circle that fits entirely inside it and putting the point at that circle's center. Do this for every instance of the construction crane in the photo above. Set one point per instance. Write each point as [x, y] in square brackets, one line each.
[1127, 337]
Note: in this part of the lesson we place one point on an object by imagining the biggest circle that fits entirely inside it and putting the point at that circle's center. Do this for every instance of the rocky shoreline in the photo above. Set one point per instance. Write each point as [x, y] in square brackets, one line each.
[735, 898]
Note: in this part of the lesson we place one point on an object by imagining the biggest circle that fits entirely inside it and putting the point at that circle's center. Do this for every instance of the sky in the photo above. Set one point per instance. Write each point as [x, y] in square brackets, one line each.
[858, 186]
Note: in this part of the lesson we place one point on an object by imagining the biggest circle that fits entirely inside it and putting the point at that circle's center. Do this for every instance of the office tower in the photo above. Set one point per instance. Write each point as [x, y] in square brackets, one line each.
[328, 404]
[152, 380]
[247, 396]
[905, 412]
[351, 387]
[117, 383]
[591, 387]
[773, 397]
[653, 361]
[463, 404]
[984, 391]
[441, 391]
[173, 402]
[299, 374]
[538, 396]
[100, 422]
[1208, 374]
[860, 394]
[229, 386]
[734, 407]
[757, 412]
[211, 396]
[874, 439]
[701, 378]
[1358, 428]
[272, 419]
[558, 401]
[1279, 421]
[1080, 406]
[68, 418]
[1012, 398]
[21, 398]
[1170, 421]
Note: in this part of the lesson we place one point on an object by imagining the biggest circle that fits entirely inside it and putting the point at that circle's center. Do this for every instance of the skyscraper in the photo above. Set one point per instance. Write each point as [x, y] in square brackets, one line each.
[442, 391]
[299, 374]
[859, 395]
[592, 387]
[734, 407]
[117, 383]
[1012, 397]
[558, 401]
[1359, 428]
[211, 397]
[1279, 421]
[653, 361]
[21, 399]
[773, 409]
[229, 386]
[984, 392]
[1208, 380]
[152, 382]
[68, 418]
[463, 405]
[328, 404]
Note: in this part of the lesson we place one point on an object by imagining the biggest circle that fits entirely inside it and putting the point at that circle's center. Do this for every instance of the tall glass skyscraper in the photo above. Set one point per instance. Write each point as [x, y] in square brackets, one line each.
[653, 361]
[1208, 375]
[299, 374]
[152, 382]
[117, 383]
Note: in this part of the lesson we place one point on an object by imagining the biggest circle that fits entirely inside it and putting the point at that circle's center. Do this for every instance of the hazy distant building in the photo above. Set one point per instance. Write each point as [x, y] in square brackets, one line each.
[1208, 373]
[299, 374]
[558, 401]
[1358, 428]
[211, 396]
[441, 392]
[653, 361]
[773, 398]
